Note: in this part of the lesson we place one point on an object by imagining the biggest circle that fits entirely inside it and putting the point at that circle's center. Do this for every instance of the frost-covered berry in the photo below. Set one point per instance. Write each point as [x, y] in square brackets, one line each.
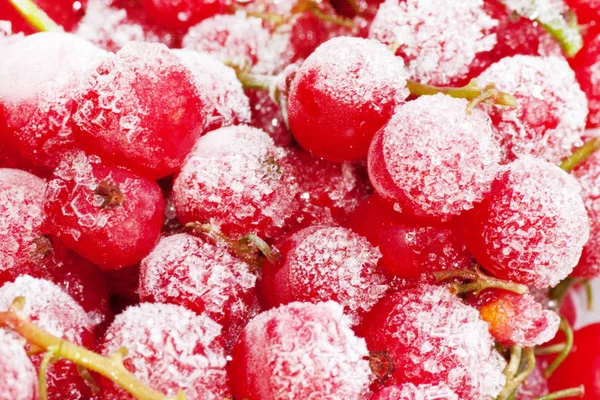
[140, 109]
[299, 351]
[551, 110]
[106, 214]
[39, 76]
[587, 69]
[235, 178]
[535, 386]
[267, 115]
[430, 335]
[323, 263]
[169, 348]
[342, 94]
[433, 158]
[438, 43]
[532, 227]
[409, 391]
[203, 277]
[18, 380]
[53, 310]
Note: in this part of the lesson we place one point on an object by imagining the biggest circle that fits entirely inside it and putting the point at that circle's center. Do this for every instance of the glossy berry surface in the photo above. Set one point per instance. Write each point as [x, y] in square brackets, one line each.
[324, 263]
[106, 214]
[170, 348]
[433, 159]
[141, 110]
[532, 227]
[181, 14]
[342, 94]
[410, 248]
[18, 378]
[235, 179]
[266, 364]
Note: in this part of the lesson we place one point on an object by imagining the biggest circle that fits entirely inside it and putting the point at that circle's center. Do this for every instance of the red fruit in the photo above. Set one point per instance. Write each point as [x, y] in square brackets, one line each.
[141, 109]
[18, 378]
[532, 227]
[39, 75]
[412, 392]
[51, 309]
[170, 349]
[432, 337]
[106, 214]
[181, 14]
[551, 110]
[235, 178]
[516, 319]
[322, 263]
[299, 351]
[588, 11]
[342, 94]
[65, 13]
[410, 248]
[433, 158]
[581, 365]
[586, 65]
[535, 386]
[203, 277]
[267, 115]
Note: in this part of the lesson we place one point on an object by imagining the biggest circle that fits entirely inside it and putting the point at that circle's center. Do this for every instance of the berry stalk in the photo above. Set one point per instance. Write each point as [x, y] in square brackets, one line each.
[480, 282]
[565, 327]
[578, 391]
[581, 154]
[512, 383]
[35, 16]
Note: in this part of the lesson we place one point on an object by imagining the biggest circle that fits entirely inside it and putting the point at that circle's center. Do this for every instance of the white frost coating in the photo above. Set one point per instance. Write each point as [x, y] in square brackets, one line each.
[442, 158]
[221, 91]
[170, 348]
[303, 351]
[48, 306]
[340, 263]
[526, 319]
[18, 377]
[408, 391]
[551, 113]
[440, 41]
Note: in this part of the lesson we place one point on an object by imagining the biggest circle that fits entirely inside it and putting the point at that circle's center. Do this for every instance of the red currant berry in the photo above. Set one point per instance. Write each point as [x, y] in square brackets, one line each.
[586, 66]
[412, 392]
[106, 214]
[18, 380]
[235, 178]
[410, 248]
[170, 349]
[588, 11]
[181, 14]
[532, 227]
[433, 158]
[141, 109]
[65, 13]
[267, 115]
[431, 336]
[342, 94]
[551, 110]
[299, 351]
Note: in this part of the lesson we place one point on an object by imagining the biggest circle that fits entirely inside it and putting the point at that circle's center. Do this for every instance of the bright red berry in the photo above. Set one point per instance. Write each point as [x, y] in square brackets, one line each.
[588, 11]
[181, 14]
[267, 115]
[65, 13]
[18, 380]
[586, 66]
[342, 94]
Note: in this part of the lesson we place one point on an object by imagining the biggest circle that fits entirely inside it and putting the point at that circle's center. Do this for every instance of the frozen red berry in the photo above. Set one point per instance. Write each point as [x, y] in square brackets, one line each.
[587, 70]
[551, 110]
[532, 227]
[342, 94]
[323, 263]
[588, 11]
[535, 386]
[169, 348]
[267, 115]
[65, 13]
[428, 335]
[235, 178]
[39, 75]
[299, 351]
[18, 380]
[433, 158]
[141, 109]
[411, 392]
[410, 248]
[108, 215]
[203, 277]
[181, 14]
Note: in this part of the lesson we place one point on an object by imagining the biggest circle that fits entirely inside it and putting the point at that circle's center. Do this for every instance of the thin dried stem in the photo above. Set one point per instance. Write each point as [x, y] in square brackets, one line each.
[480, 281]
[581, 154]
[565, 327]
[35, 16]
[513, 384]
[578, 391]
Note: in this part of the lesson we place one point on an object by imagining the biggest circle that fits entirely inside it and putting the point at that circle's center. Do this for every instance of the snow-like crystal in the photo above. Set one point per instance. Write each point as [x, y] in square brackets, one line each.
[408, 391]
[18, 378]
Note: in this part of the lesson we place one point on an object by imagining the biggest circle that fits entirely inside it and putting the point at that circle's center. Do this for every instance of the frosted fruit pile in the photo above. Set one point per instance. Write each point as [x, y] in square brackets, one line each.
[298, 199]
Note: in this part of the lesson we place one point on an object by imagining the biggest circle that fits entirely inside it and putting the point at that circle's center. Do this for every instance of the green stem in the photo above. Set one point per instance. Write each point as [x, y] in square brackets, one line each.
[513, 384]
[480, 281]
[553, 349]
[581, 154]
[314, 9]
[559, 291]
[35, 16]
[578, 391]
[470, 92]
[565, 327]
[568, 36]
[589, 294]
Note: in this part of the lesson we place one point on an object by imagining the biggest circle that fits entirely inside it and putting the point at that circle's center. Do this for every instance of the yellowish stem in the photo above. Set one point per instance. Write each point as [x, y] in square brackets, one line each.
[35, 16]
[581, 154]
[480, 281]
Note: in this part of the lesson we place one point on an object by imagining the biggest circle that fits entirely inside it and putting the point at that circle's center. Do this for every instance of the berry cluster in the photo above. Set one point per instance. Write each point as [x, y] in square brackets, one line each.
[298, 199]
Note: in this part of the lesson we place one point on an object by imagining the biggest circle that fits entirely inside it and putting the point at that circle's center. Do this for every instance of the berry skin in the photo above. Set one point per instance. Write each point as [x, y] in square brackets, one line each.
[411, 392]
[433, 159]
[181, 14]
[586, 67]
[170, 348]
[410, 248]
[588, 11]
[535, 386]
[39, 75]
[322, 263]
[437, 43]
[65, 13]
[342, 94]
[551, 110]
[51, 309]
[267, 115]
[532, 227]
[235, 178]
[141, 109]
[18, 378]
[106, 214]
[203, 277]
[297, 351]
[432, 337]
